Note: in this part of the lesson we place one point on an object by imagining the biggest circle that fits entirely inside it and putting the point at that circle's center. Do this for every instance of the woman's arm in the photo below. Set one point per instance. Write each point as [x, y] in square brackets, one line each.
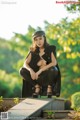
[53, 63]
[26, 65]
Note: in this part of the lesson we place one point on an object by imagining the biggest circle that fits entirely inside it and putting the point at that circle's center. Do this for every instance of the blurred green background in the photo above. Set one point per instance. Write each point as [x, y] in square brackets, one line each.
[65, 35]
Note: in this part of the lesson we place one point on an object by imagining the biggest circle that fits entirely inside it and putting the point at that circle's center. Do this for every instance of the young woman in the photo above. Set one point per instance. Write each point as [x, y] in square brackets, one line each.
[40, 68]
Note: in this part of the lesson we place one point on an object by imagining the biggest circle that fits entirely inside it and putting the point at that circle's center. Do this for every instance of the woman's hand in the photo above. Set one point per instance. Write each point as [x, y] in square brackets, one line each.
[38, 73]
[33, 74]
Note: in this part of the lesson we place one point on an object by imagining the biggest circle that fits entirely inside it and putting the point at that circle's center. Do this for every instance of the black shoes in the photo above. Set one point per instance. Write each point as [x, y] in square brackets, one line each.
[57, 94]
[49, 92]
[37, 92]
[35, 95]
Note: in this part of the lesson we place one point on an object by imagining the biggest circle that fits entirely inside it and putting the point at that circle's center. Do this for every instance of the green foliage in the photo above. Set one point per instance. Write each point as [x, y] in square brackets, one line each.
[1, 99]
[10, 84]
[75, 99]
[67, 40]
[16, 100]
[8, 57]
[73, 7]
[65, 35]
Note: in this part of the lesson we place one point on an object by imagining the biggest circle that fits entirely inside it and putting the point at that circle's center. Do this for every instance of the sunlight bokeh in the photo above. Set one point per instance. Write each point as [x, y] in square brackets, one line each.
[17, 17]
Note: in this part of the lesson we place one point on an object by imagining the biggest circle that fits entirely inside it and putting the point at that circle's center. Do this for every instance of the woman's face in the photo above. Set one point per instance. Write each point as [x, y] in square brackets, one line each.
[39, 41]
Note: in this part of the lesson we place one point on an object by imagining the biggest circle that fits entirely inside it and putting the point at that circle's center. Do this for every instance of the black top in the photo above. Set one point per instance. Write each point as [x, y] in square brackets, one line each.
[47, 57]
[33, 64]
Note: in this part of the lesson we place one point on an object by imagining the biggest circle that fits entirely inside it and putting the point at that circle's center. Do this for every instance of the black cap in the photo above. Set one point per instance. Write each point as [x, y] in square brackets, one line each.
[38, 33]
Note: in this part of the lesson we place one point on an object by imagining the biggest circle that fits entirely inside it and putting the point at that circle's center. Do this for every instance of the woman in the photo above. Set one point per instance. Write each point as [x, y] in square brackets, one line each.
[40, 68]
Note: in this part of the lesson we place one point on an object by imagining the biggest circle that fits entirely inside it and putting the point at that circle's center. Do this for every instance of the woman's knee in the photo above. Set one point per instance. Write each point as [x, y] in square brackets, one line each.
[25, 73]
[53, 71]
[22, 71]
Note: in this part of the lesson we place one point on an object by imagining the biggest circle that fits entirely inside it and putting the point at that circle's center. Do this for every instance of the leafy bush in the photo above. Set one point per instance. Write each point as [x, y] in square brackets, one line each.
[75, 99]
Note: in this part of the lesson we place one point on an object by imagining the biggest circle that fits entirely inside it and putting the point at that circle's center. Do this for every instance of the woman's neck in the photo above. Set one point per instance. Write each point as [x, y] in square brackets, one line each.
[41, 49]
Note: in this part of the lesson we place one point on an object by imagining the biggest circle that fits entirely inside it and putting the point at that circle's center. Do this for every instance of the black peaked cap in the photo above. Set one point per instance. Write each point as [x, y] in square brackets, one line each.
[38, 33]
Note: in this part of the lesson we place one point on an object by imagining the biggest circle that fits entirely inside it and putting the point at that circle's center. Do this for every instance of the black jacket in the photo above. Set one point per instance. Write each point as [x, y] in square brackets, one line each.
[35, 58]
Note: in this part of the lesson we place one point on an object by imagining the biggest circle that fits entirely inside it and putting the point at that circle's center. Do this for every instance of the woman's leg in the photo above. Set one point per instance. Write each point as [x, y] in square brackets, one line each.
[47, 79]
[27, 83]
[37, 91]
[26, 89]
[26, 76]
[51, 75]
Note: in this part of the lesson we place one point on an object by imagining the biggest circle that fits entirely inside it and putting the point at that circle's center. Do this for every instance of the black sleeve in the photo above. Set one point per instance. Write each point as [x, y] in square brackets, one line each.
[28, 54]
[52, 48]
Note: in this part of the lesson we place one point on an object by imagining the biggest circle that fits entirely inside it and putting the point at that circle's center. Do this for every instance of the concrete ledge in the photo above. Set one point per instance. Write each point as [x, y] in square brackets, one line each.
[56, 114]
[56, 104]
[28, 108]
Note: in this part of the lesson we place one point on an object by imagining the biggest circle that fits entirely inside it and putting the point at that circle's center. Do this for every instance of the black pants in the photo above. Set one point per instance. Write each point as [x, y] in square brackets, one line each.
[51, 77]
[45, 78]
